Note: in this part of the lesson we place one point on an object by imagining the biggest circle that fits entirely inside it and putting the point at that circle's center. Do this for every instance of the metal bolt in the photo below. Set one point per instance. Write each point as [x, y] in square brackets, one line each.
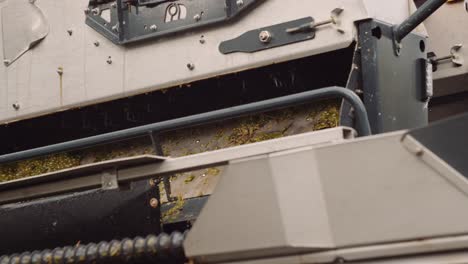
[265, 36]
[240, 3]
[16, 106]
[6, 62]
[70, 31]
[419, 152]
[154, 202]
[197, 17]
[154, 27]
[86, 11]
[96, 11]
[96, 43]
[202, 40]
[114, 5]
[109, 60]
[152, 182]
[191, 66]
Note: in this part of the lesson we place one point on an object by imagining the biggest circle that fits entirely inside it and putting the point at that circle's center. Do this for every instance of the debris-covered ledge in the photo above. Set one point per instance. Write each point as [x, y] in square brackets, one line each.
[240, 131]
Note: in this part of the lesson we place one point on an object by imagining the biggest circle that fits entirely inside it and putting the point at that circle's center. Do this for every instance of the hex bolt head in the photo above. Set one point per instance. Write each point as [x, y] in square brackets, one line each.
[265, 36]
[16, 106]
[60, 70]
[154, 203]
[96, 11]
[240, 3]
[153, 27]
[191, 66]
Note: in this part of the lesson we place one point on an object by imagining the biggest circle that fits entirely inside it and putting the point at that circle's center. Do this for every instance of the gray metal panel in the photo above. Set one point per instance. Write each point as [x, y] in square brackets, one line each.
[448, 140]
[392, 84]
[273, 205]
[375, 191]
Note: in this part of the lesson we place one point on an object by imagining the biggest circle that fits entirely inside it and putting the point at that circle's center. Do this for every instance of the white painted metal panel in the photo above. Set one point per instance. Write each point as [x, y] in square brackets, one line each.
[88, 78]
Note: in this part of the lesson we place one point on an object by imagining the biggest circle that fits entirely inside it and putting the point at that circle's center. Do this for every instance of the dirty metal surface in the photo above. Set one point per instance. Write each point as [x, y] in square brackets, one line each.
[392, 84]
[85, 217]
[230, 133]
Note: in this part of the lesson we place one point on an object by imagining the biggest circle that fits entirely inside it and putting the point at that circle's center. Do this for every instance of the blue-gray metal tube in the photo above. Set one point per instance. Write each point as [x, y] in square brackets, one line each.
[423, 12]
[362, 121]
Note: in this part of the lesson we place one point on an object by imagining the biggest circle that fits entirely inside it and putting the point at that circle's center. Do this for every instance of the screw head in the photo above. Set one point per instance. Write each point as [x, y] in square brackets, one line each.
[265, 36]
[154, 27]
[16, 106]
[197, 17]
[154, 202]
[240, 3]
[70, 31]
[96, 11]
[87, 11]
[96, 43]
[114, 5]
[191, 66]
[109, 60]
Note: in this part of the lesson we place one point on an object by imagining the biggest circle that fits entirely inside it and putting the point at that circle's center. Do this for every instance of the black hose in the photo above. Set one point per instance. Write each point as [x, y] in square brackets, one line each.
[154, 249]
[362, 121]
[423, 12]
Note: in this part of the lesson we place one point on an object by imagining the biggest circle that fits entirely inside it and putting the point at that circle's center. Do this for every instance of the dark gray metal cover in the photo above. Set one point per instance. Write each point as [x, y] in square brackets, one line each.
[149, 19]
[448, 139]
[392, 84]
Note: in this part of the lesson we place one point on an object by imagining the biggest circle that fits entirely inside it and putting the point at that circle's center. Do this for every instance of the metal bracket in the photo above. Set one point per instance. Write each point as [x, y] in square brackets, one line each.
[455, 57]
[126, 21]
[109, 180]
[279, 35]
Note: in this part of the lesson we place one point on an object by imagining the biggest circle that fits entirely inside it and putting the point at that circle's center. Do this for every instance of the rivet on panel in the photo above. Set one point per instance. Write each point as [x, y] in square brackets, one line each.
[154, 202]
[16, 106]
[109, 60]
[191, 66]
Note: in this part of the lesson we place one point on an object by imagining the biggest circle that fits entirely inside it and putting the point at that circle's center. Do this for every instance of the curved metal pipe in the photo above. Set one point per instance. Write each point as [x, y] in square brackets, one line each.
[362, 121]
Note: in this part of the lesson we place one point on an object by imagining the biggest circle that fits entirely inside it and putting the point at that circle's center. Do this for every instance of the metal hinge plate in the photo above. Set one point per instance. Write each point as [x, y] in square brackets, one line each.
[125, 22]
